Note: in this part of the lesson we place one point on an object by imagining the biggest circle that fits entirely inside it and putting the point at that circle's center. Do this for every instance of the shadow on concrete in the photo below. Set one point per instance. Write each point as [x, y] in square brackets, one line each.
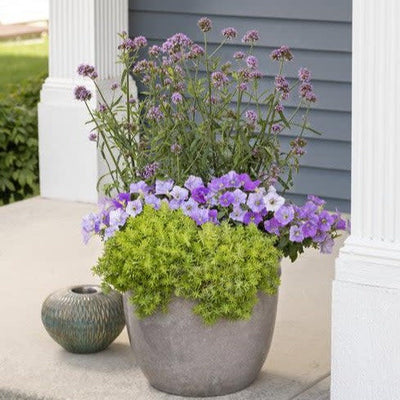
[117, 357]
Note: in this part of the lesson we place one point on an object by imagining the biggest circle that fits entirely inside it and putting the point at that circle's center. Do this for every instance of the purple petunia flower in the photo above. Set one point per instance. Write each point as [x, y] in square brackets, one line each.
[326, 246]
[124, 197]
[339, 222]
[118, 217]
[309, 228]
[175, 204]
[272, 226]
[320, 236]
[307, 210]
[82, 94]
[239, 197]
[188, 206]
[134, 208]
[152, 200]
[247, 183]
[110, 231]
[325, 221]
[140, 187]
[284, 215]
[255, 202]
[120, 200]
[252, 62]
[226, 199]
[176, 98]
[199, 194]
[193, 182]
[164, 187]
[296, 234]
[200, 215]
[218, 184]
[212, 198]
[251, 217]
[237, 214]
[90, 225]
[273, 201]
[316, 200]
[213, 216]
[250, 36]
[232, 178]
[229, 33]
[179, 193]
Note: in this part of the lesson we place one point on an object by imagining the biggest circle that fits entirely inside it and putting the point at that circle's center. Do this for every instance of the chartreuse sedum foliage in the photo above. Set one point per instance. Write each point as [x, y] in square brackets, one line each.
[161, 254]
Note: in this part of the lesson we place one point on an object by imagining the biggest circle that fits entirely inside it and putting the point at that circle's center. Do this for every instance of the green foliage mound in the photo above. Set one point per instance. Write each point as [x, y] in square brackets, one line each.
[19, 164]
[163, 253]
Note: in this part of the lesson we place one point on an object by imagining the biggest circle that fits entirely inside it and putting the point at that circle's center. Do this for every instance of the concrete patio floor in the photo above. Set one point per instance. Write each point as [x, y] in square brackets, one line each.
[41, 251]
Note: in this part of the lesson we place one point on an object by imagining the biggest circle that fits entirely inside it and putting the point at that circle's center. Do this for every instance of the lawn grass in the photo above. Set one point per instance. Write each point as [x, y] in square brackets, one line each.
[21, 60]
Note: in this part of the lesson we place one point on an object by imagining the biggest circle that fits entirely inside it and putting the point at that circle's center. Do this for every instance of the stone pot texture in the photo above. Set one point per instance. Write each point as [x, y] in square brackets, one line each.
[181, 355]
[83, 319]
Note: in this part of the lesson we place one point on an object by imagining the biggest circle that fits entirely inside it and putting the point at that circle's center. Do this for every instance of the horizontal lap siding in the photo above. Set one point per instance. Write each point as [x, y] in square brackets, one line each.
[319, 32]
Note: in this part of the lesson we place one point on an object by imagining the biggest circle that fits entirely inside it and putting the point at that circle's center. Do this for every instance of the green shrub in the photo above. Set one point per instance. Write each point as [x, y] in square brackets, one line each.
[19, 164]
[163, 253]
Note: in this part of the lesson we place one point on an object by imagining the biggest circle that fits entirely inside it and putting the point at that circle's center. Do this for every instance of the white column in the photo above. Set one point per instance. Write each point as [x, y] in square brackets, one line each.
[80, 31]
[366, 290]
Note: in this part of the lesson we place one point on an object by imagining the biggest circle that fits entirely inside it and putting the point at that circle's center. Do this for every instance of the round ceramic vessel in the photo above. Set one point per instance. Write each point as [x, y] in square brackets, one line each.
[83, 319]
[179, 354]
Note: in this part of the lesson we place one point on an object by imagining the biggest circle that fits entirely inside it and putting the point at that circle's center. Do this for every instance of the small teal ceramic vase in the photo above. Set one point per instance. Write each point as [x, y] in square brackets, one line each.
[83, 319]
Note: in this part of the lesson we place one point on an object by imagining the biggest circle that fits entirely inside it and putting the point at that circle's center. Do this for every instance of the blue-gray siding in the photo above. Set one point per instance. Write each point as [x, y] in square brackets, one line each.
[319, 32]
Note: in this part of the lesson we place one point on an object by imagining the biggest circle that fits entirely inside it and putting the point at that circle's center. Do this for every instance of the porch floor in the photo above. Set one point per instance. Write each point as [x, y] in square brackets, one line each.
[41, 251]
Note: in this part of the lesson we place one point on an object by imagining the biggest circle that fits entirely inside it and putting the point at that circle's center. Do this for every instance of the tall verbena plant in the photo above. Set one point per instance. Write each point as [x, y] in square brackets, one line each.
[199, 115]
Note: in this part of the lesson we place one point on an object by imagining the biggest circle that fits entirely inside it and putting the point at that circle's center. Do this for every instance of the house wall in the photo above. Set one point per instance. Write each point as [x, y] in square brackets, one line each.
[319, 33]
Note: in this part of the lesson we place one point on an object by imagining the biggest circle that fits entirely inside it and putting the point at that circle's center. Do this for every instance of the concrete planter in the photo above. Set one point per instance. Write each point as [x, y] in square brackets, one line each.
[180, 355]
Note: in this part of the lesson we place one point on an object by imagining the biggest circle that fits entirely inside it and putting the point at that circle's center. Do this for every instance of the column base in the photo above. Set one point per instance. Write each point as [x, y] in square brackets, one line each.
[366, 322]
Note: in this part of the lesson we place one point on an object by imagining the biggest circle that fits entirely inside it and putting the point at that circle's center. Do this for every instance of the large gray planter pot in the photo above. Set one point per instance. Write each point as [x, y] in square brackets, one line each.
[180, 355]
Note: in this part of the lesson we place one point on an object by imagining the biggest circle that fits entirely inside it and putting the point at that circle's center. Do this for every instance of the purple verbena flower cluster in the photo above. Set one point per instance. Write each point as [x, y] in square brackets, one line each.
[204, 24]
[250, 36]
[233, 197]
[82, 94]
[283, 53]
[87, 70]
[149, 170]
[229, 33]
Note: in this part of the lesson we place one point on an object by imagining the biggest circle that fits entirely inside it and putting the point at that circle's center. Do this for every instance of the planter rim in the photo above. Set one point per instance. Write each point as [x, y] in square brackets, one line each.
[86, 289]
